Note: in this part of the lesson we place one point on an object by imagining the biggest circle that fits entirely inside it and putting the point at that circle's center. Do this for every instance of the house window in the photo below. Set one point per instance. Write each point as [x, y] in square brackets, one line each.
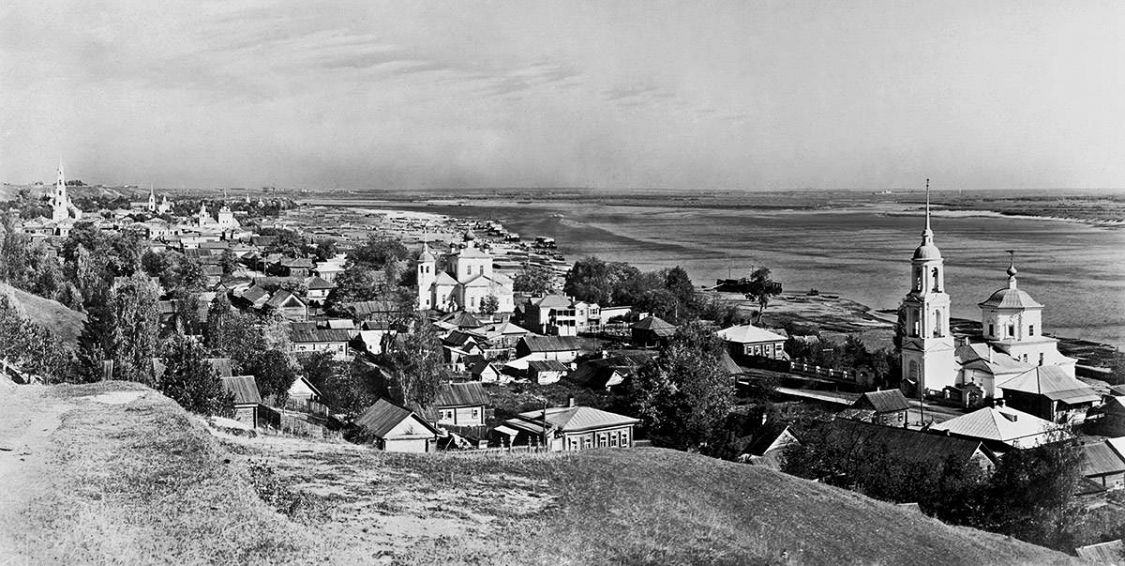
[1031, 330]
[587, 442]
[476, 413]
[1040, 358]
[613, 439]
[624, 438]
[603, 439]
[1012, 330]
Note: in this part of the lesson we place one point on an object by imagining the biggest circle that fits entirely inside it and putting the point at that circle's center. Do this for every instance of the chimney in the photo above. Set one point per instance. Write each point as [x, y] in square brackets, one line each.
[570, 401]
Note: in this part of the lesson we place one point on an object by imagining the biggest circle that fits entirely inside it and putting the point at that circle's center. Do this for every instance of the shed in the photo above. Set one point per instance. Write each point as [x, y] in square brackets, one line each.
[888, 407]
[1104, 465]
[246, 397]
[544, 372]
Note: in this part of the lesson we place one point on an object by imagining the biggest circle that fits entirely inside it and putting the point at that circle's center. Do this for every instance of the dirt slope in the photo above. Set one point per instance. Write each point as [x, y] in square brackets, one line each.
[134, 479]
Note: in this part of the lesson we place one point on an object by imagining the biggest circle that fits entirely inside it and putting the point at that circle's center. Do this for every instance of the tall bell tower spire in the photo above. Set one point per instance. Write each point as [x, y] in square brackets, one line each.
[927, 345]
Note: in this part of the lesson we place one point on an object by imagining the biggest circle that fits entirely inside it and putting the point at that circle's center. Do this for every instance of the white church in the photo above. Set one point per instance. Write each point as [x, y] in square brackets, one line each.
[464, 281]
[1010, 356]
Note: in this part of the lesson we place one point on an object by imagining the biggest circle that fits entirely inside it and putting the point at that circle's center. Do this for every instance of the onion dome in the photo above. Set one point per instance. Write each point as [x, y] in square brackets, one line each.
[427, 255]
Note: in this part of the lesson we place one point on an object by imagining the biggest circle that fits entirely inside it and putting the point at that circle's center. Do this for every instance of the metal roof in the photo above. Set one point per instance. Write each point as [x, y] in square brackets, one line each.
[551, 343]
[1101, 459]
[1010, 298]
[1053, 382]
[572, 419]
[749, 334]
[904, 444]
[655, 325]
[888, 401]
[1002, 424]
[547, 365]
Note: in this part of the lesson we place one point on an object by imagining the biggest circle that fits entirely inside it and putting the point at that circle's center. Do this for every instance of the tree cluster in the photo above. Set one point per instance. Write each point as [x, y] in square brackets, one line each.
[684, 395]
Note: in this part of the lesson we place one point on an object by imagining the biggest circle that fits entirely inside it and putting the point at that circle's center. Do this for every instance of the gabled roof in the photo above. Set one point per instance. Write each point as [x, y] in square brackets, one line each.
[888, 401]
[551, 343]
[315, 283]
[284, 298]
[383, 416]
[547, 365]
[255, 294]
[1101, 459]
[1001, 424]
[1102, 553]
[444, 278]
[749, 334]
[479, 366]
[300, 262]
[1052, 382]
[655, 325]
[572, 419]
[983, 357]
[458, 338]
[244, 388]
[462, 319]
[308, 333]
[506, 329]
[469, 394]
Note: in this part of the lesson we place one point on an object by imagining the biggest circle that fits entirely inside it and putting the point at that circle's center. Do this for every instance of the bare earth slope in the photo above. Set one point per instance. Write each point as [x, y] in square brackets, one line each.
[125, 476]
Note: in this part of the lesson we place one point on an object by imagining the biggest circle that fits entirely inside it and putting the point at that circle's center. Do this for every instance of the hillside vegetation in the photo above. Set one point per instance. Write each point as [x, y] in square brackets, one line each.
[135, 479]
[50, 314]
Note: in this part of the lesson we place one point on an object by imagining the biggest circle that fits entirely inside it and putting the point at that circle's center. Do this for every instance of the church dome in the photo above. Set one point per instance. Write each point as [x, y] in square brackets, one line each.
[1011, 298]
[927, 251]
[426, 255]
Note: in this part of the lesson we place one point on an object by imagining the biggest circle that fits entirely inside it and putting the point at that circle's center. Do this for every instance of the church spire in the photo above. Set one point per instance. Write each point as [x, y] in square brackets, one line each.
[1012, 271]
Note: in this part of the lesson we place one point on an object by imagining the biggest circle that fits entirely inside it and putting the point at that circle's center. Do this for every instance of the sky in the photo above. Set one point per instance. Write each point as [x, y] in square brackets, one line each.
[621, 94]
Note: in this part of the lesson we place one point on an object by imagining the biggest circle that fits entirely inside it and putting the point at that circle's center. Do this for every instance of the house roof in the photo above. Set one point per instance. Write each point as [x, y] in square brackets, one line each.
[504, 329]
[383, 416]
[222, 366]
[462, 319]
[1052, 382]
[300, 262]
[306, 333]
[458, 338]
[749, 334]
[572, 419]
[1102, 553]
[1002, 424]
[976, 356]
[551, 343]
[255, 294]
[903, 443]
[547, 365]
[1101, 459]
[655, 325]
[479, 366]
[550, 301]
[765, 439]
[469, 394]
[887, 401]
[244, 388]
[316, 283]
[281, 298]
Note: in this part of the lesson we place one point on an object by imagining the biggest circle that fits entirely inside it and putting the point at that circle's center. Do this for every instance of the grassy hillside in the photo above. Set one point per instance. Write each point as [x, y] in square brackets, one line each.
[137, 480]
[65, 323]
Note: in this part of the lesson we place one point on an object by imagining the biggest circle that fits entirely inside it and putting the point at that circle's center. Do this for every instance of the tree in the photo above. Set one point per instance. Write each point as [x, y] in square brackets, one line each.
[286, 242]
[33, 348]
[489, 304]
[274, 374]
[414, 365]
[348, 388]
[762, 289]
[356, 283]
[326, 250]
[684, 395]
[220, 315]
[136, 317]
[595, 281]
[378, 250]
[228, 262]
[534, 279]
[190, 380]
[677, 282]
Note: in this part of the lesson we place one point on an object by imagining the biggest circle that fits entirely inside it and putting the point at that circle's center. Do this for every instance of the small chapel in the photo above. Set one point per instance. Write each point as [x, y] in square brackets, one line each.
[1011, 358]
[464, 281]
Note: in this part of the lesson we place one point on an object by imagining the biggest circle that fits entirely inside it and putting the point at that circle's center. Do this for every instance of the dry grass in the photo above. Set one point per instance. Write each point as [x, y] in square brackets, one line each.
[143, 482]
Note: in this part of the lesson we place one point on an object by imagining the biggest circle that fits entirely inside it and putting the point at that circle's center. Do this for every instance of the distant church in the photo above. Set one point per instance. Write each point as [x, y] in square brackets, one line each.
[466, 280]
[1011, 355]
[63, 212]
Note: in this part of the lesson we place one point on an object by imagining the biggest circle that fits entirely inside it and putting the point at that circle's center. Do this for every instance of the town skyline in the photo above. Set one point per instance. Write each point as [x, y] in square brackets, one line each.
[674, 96]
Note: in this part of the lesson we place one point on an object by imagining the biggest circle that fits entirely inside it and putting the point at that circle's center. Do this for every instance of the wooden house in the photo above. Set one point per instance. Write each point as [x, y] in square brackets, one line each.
[394, 429]
[888, 407]
[560, 348]
[1050, 393]
[288, 305]
[1003, 428]
[748, 341]
[610, 371]
[1104, 464]
[461, 404]
[572, 428]
[485, 371]
[866, 441]
[651, 331]
[307, 338]
[318, 289]
[766, 447]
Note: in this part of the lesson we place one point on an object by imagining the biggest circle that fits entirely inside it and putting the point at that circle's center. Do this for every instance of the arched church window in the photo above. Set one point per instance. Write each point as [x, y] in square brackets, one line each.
[914, 370]
[935, 280]
[937, 324]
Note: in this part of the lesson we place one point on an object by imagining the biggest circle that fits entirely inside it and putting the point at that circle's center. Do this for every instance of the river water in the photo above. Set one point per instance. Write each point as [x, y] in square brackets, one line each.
[860, 252]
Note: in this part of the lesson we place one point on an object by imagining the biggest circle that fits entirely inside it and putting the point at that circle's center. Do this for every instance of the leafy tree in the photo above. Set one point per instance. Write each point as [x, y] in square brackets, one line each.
[661, 303]
[684, 395]
[535, 279]
[191, 381]
[228, 261]
[414, 365]
[326, 250]
[595, 281]
[274, 374]
[489, 305]
[345, 387]
[677, 282]
[34, 348]
[286, 242]
[762, 289]
[356, 283]
[136, 317]
[220, 314]
[378, 250]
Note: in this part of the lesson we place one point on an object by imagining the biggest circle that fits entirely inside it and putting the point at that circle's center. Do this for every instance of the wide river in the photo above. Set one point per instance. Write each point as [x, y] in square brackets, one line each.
[861, 252]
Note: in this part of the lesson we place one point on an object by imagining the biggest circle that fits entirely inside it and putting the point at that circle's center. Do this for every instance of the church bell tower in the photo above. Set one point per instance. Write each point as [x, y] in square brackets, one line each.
[927, 345]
